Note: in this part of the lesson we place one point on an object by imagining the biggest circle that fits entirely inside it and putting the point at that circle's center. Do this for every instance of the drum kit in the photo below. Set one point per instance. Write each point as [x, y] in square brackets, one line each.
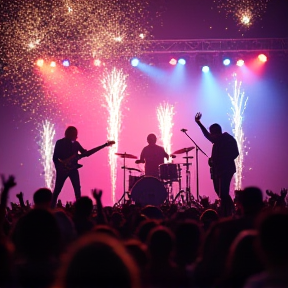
[148, 190]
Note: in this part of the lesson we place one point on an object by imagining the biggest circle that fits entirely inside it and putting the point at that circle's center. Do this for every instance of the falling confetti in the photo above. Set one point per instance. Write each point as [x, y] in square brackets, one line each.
[52, 30]
[245, 12]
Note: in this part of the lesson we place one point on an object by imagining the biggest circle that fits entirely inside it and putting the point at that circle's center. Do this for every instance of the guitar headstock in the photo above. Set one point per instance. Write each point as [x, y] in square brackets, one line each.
[110, 143]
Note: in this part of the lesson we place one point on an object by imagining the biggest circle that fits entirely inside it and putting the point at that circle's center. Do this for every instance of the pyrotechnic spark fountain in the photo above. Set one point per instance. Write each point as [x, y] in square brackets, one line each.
[114, 84]
[238, 101]
[165, 113]
[46, 148]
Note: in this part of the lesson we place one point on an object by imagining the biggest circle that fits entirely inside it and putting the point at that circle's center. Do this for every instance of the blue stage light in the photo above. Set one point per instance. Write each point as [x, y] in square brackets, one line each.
[66, 63]
[205, 69]
[182, 61]
[226, 62]
[135, 62]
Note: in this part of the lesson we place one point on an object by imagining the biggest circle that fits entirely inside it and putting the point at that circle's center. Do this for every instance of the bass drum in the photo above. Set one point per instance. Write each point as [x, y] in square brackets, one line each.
[149, 191]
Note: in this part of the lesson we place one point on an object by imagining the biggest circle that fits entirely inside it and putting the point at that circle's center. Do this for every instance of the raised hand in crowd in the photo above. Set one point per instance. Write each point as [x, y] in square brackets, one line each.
[97, 194]
[7, 184]
[20, 197]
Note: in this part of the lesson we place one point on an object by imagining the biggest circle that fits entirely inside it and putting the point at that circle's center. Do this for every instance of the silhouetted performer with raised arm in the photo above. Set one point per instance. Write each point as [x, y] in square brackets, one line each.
[221, 162]
[66, 158]
[152, 155]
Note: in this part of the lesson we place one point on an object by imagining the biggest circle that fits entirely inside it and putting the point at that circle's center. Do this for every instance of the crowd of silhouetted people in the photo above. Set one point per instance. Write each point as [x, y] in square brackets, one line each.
[84, 244]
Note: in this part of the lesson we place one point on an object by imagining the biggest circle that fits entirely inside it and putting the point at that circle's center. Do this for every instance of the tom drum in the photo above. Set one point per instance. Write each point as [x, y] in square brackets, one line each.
[168, 172]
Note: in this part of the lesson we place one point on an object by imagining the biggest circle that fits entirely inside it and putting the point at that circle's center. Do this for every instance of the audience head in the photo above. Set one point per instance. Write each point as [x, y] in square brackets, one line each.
[188, 235]
[152, 212]
[243, 261]
[250, 200]
[83, 207]
[42, 198]
[273, 239]
[144, 229]
[37, 235]
[161, 243]
[98, 260]
[208, 217]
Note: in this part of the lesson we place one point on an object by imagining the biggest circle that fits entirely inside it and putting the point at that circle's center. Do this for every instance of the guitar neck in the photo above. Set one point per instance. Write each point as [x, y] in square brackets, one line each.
[92, 151]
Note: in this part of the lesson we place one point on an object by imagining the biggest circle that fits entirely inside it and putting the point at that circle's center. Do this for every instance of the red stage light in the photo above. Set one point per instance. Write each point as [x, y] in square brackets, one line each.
[173, 61]
[262, 58]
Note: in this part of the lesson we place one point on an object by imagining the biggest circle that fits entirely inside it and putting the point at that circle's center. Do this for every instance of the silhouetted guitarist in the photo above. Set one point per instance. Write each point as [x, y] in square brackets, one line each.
[66, 158]
[221, 162]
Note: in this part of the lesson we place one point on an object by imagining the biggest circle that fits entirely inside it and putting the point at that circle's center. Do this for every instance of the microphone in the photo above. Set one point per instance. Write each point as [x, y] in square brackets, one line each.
[184, 130]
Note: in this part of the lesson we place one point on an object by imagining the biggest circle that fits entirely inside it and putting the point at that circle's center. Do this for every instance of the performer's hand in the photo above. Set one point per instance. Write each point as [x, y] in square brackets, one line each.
[97, 194]
[198, 117]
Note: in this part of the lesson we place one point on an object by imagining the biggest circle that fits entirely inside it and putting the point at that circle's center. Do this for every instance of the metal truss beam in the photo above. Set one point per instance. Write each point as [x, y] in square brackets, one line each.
[216, 46]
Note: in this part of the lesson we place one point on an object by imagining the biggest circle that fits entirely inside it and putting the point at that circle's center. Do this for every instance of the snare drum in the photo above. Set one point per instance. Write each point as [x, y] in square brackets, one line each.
[149, 191]
[168, 172]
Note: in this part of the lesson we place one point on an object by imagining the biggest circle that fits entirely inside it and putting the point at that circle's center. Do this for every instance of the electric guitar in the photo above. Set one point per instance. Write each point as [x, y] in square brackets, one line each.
[71, 163]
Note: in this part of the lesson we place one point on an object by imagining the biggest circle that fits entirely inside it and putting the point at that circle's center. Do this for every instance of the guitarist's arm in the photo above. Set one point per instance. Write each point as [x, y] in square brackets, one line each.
[202, 127]
[96, 149]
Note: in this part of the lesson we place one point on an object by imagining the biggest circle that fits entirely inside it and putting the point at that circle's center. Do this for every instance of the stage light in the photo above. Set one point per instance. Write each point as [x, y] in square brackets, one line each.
[173, 61]
[53, 64]
[97, 62]
[182, 61]
[240, 62]
[205, 69]
[66, 63]
[40, 62]
[135, 62]
[226, 62]
[262, 58]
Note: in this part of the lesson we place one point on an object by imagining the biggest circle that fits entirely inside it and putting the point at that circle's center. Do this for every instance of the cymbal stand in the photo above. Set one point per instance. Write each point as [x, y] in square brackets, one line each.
[180, 187]
[189, 196]
[124, 182]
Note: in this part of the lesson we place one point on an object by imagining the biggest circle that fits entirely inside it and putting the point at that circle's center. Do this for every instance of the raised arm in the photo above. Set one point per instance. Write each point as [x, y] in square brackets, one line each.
[204, 130]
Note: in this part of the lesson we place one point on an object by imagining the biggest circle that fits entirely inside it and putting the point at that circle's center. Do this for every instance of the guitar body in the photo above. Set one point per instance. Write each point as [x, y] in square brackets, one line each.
[71, 163]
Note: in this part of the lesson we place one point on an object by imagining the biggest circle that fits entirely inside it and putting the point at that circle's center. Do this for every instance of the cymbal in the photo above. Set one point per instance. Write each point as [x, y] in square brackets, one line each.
[173, 156]
[130, 169]
[184, 150]
[125, 155]
[188, 157]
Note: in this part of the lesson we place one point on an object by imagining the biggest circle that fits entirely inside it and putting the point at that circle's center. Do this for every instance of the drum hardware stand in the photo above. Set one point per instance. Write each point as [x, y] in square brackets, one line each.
[124, 156]
[197, 166]
[189, 196]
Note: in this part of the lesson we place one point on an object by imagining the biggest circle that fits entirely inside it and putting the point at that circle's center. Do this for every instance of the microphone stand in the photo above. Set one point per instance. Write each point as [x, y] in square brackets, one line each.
[197, 169]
